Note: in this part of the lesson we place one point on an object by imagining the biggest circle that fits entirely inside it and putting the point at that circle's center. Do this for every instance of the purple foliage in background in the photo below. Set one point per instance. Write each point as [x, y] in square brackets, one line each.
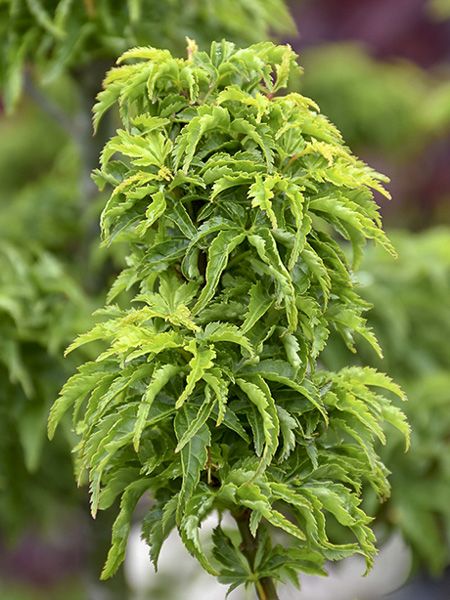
[390, 28]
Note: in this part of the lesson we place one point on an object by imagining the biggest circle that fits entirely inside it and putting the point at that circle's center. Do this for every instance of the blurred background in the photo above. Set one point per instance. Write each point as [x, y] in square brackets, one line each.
[381, 71]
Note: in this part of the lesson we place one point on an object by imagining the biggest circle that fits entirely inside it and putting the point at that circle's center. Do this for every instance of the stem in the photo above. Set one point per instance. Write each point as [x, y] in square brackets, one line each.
[51, 108]
[265, 588]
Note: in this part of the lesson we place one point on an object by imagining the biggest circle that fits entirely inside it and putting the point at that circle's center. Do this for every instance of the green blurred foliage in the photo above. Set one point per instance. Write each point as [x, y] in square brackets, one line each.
[61, 34]
[419, 505]
[391, 107]
[41, 310]
[411, 317]
[69, 590]
[40, 190]
[439, 8]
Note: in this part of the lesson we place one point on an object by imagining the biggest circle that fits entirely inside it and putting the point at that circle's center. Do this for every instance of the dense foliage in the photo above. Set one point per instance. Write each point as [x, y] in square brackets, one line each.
[57, 52]
[61, 34]
[207, 393]
[41, 309]
[410, 299]
[392, 108]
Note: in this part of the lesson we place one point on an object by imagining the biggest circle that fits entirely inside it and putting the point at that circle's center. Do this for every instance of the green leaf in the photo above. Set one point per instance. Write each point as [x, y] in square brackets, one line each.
[157, 525]
[225, 332]
[197, 509]
[155, 210]
[292, 349]
[256, 134]
[160, 378]
[317, 267]
[372, 377]
[267, 250]
[258, 305]
[200, 419]
[274, 371]
[235, 569]
[261, 194]
[253, 497]
[213, 118]
[288, 426]
[200, 363]
[78, 386]
[194, 455]
[227, 182]
[105, 100]
[122, 526]
[220, 388]
[259, 394]
[394, 416]
[219, 251]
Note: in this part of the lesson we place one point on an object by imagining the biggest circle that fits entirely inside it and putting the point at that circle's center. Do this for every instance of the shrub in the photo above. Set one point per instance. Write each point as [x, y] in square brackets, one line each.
[208, 394]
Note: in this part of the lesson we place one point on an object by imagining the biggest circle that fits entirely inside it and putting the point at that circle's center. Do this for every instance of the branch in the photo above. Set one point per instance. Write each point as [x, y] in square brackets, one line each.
[265, 588]
[53, 110]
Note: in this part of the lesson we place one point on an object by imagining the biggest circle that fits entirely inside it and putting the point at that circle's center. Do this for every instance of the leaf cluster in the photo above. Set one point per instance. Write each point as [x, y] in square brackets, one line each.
[231, 199]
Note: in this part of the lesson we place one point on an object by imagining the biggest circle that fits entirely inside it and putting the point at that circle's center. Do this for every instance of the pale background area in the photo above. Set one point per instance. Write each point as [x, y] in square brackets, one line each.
[180, 577]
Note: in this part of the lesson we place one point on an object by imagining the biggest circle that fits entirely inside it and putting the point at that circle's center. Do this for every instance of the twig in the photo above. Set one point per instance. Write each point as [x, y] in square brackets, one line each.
[265, 588]
[53, 110]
